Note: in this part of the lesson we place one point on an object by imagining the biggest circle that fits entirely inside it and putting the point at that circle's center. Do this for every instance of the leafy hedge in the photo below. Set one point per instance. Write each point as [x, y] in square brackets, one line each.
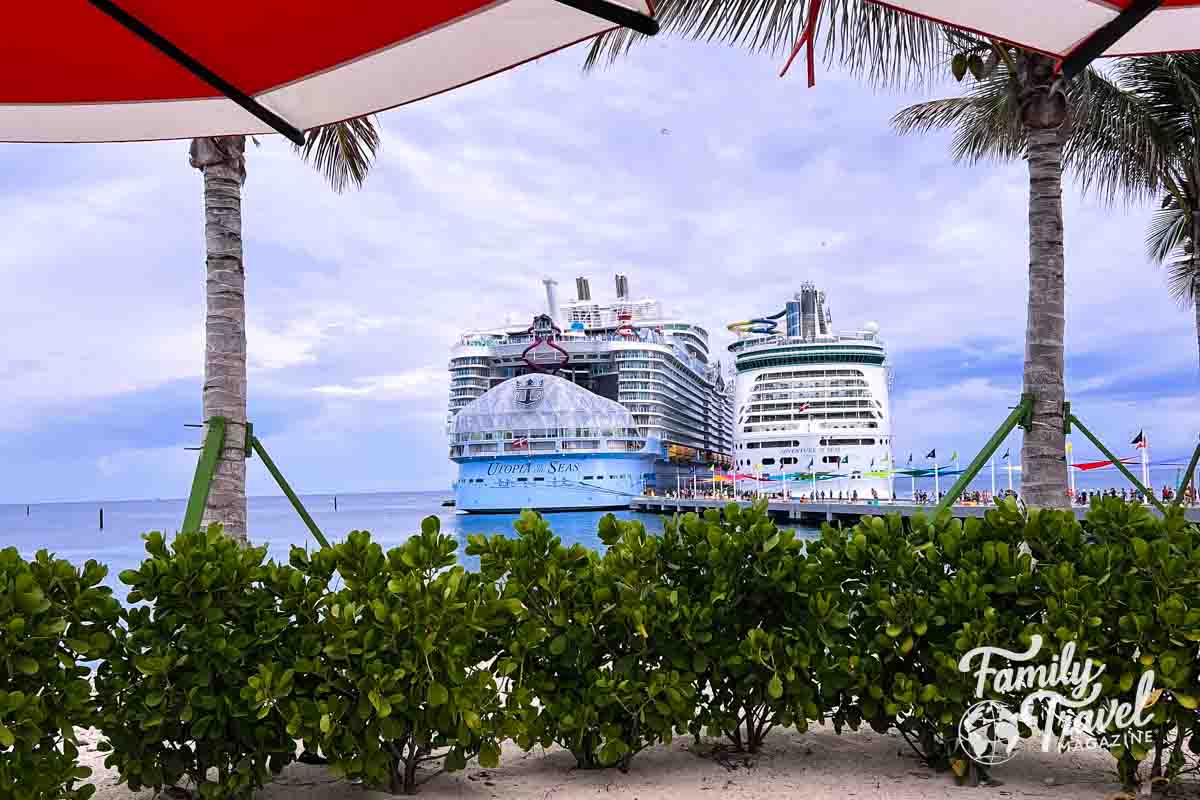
[396, 665]
[52, 617]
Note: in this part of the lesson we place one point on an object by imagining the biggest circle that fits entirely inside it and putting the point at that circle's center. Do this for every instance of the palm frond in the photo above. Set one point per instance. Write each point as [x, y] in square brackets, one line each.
[1167, 234]
[885, 46]
[1126, 135]
[888, 48]
[986, 120]
[1182, 282]
[342, 152]
[762, 25]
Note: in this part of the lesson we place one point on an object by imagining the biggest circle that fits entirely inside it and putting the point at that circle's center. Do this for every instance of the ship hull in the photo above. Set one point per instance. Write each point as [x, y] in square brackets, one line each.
[551, 482]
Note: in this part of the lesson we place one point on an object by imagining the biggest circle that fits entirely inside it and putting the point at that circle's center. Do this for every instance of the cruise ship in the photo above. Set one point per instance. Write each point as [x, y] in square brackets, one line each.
[627, 353]
[812, 408]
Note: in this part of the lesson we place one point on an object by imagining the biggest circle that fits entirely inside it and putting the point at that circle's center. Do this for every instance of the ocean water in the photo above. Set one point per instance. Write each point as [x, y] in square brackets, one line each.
[72, 530]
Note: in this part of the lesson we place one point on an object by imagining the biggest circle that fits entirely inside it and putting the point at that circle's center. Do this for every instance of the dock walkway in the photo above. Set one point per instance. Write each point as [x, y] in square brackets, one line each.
[809, 513]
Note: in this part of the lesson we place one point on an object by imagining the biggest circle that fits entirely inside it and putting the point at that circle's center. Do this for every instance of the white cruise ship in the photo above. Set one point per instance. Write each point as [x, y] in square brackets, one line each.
[812, 408]
[628, 351]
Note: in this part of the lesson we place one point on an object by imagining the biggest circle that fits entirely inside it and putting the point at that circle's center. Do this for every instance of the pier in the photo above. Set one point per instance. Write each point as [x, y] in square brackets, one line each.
[809, 513]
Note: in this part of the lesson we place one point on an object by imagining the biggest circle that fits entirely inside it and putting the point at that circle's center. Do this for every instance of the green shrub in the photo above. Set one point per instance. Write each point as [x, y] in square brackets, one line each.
[922, 597]
[174, 695]
[585, 658]
[387, 673]
[756, 621]
[1126, 594]
[52, 616]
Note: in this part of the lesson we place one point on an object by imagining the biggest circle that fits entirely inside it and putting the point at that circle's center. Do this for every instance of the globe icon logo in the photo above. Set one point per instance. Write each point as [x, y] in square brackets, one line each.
[990, 733]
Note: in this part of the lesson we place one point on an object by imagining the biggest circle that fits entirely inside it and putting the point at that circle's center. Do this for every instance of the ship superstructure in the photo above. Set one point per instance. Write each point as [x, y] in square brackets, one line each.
[812, 404]
[626, 350]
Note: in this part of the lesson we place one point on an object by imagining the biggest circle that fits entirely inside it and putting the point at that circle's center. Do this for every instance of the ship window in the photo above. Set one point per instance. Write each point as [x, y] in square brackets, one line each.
[539, 479]
[522, 480]
[588, 477]
[768, 461]
[788, 460]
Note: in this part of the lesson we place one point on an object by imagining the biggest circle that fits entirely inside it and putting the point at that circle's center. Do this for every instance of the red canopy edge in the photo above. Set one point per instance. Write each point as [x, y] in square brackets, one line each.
[100, 82]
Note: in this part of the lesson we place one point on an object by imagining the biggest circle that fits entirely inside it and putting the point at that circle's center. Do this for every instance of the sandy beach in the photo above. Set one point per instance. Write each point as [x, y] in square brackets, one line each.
[817, 765]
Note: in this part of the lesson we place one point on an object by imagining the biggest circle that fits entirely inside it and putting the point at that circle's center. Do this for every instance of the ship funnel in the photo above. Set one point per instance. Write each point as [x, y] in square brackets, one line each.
[552, 298]
[583, 291]
[807, 316]
[622, 287]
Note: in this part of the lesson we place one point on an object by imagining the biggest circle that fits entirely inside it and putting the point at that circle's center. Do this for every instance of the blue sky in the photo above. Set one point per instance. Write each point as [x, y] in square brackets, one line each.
[716, 186]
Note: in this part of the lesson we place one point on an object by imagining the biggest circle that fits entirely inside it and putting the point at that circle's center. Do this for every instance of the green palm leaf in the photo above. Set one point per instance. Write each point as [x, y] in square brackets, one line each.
[885, 46]
[342, 152]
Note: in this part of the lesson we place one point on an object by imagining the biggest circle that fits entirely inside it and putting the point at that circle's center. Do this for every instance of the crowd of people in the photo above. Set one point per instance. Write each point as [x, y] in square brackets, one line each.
[976, 497]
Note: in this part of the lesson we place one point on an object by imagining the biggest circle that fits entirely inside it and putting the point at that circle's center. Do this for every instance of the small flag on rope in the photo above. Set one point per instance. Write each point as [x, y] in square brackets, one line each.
[932, 453]
[1005, 457]
[910, 459]
[954, 456]
[1139, 441]
[811, 461]
[520, 444]
[803, 407]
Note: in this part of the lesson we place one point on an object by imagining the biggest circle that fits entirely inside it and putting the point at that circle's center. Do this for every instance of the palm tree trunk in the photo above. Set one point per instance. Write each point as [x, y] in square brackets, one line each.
[222, 162]
[1043, 457]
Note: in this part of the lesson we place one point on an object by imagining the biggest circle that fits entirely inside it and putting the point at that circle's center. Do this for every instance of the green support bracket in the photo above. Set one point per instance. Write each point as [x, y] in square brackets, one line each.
[249, 440]
[1187, 476]
[214, 440]
[1021, 412]
[1026, 415]
[1067, 417]
[287, 490]
[1117, 462]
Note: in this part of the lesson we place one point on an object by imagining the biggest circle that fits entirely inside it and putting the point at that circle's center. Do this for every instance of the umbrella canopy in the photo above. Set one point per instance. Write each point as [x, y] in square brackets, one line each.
[1075, 30]
[99, 70]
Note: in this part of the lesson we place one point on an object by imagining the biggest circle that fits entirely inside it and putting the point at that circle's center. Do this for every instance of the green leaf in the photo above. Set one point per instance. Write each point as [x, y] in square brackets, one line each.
[438, 695]
[6, 737]
[770, 543]
[775, 687]
[26, 665]
[489, 754]
[558, 645]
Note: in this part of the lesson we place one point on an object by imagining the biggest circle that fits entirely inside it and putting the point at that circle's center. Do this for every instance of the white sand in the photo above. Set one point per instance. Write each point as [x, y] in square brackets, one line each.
[818, 764]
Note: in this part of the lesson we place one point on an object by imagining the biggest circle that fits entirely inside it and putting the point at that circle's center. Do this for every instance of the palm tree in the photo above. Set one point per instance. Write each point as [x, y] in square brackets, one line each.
[1140, 138]
[890, 47]
[343, 153]
[1019, 107]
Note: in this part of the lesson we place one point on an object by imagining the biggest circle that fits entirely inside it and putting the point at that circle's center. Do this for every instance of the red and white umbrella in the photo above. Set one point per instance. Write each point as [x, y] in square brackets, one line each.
[1084, 29]
[1075, 31]
[124, 70]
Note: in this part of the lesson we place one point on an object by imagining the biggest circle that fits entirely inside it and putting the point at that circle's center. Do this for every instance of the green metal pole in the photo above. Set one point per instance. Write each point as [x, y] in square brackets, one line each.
[287, 490]
[1187, 476]
[206, 467]
[1108, 454]
[1018, 414]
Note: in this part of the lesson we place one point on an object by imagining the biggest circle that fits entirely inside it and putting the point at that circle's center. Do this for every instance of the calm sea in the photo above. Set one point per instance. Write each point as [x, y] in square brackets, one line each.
[72, 530]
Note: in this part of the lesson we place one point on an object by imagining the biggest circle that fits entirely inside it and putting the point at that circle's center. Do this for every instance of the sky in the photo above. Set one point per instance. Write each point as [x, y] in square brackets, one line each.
[716, 186]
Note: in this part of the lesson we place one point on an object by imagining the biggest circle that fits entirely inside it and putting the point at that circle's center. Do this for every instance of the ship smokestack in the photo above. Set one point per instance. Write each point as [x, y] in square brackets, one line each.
[808, 311]
[583, 291]
[622, 287]
[551, 298]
